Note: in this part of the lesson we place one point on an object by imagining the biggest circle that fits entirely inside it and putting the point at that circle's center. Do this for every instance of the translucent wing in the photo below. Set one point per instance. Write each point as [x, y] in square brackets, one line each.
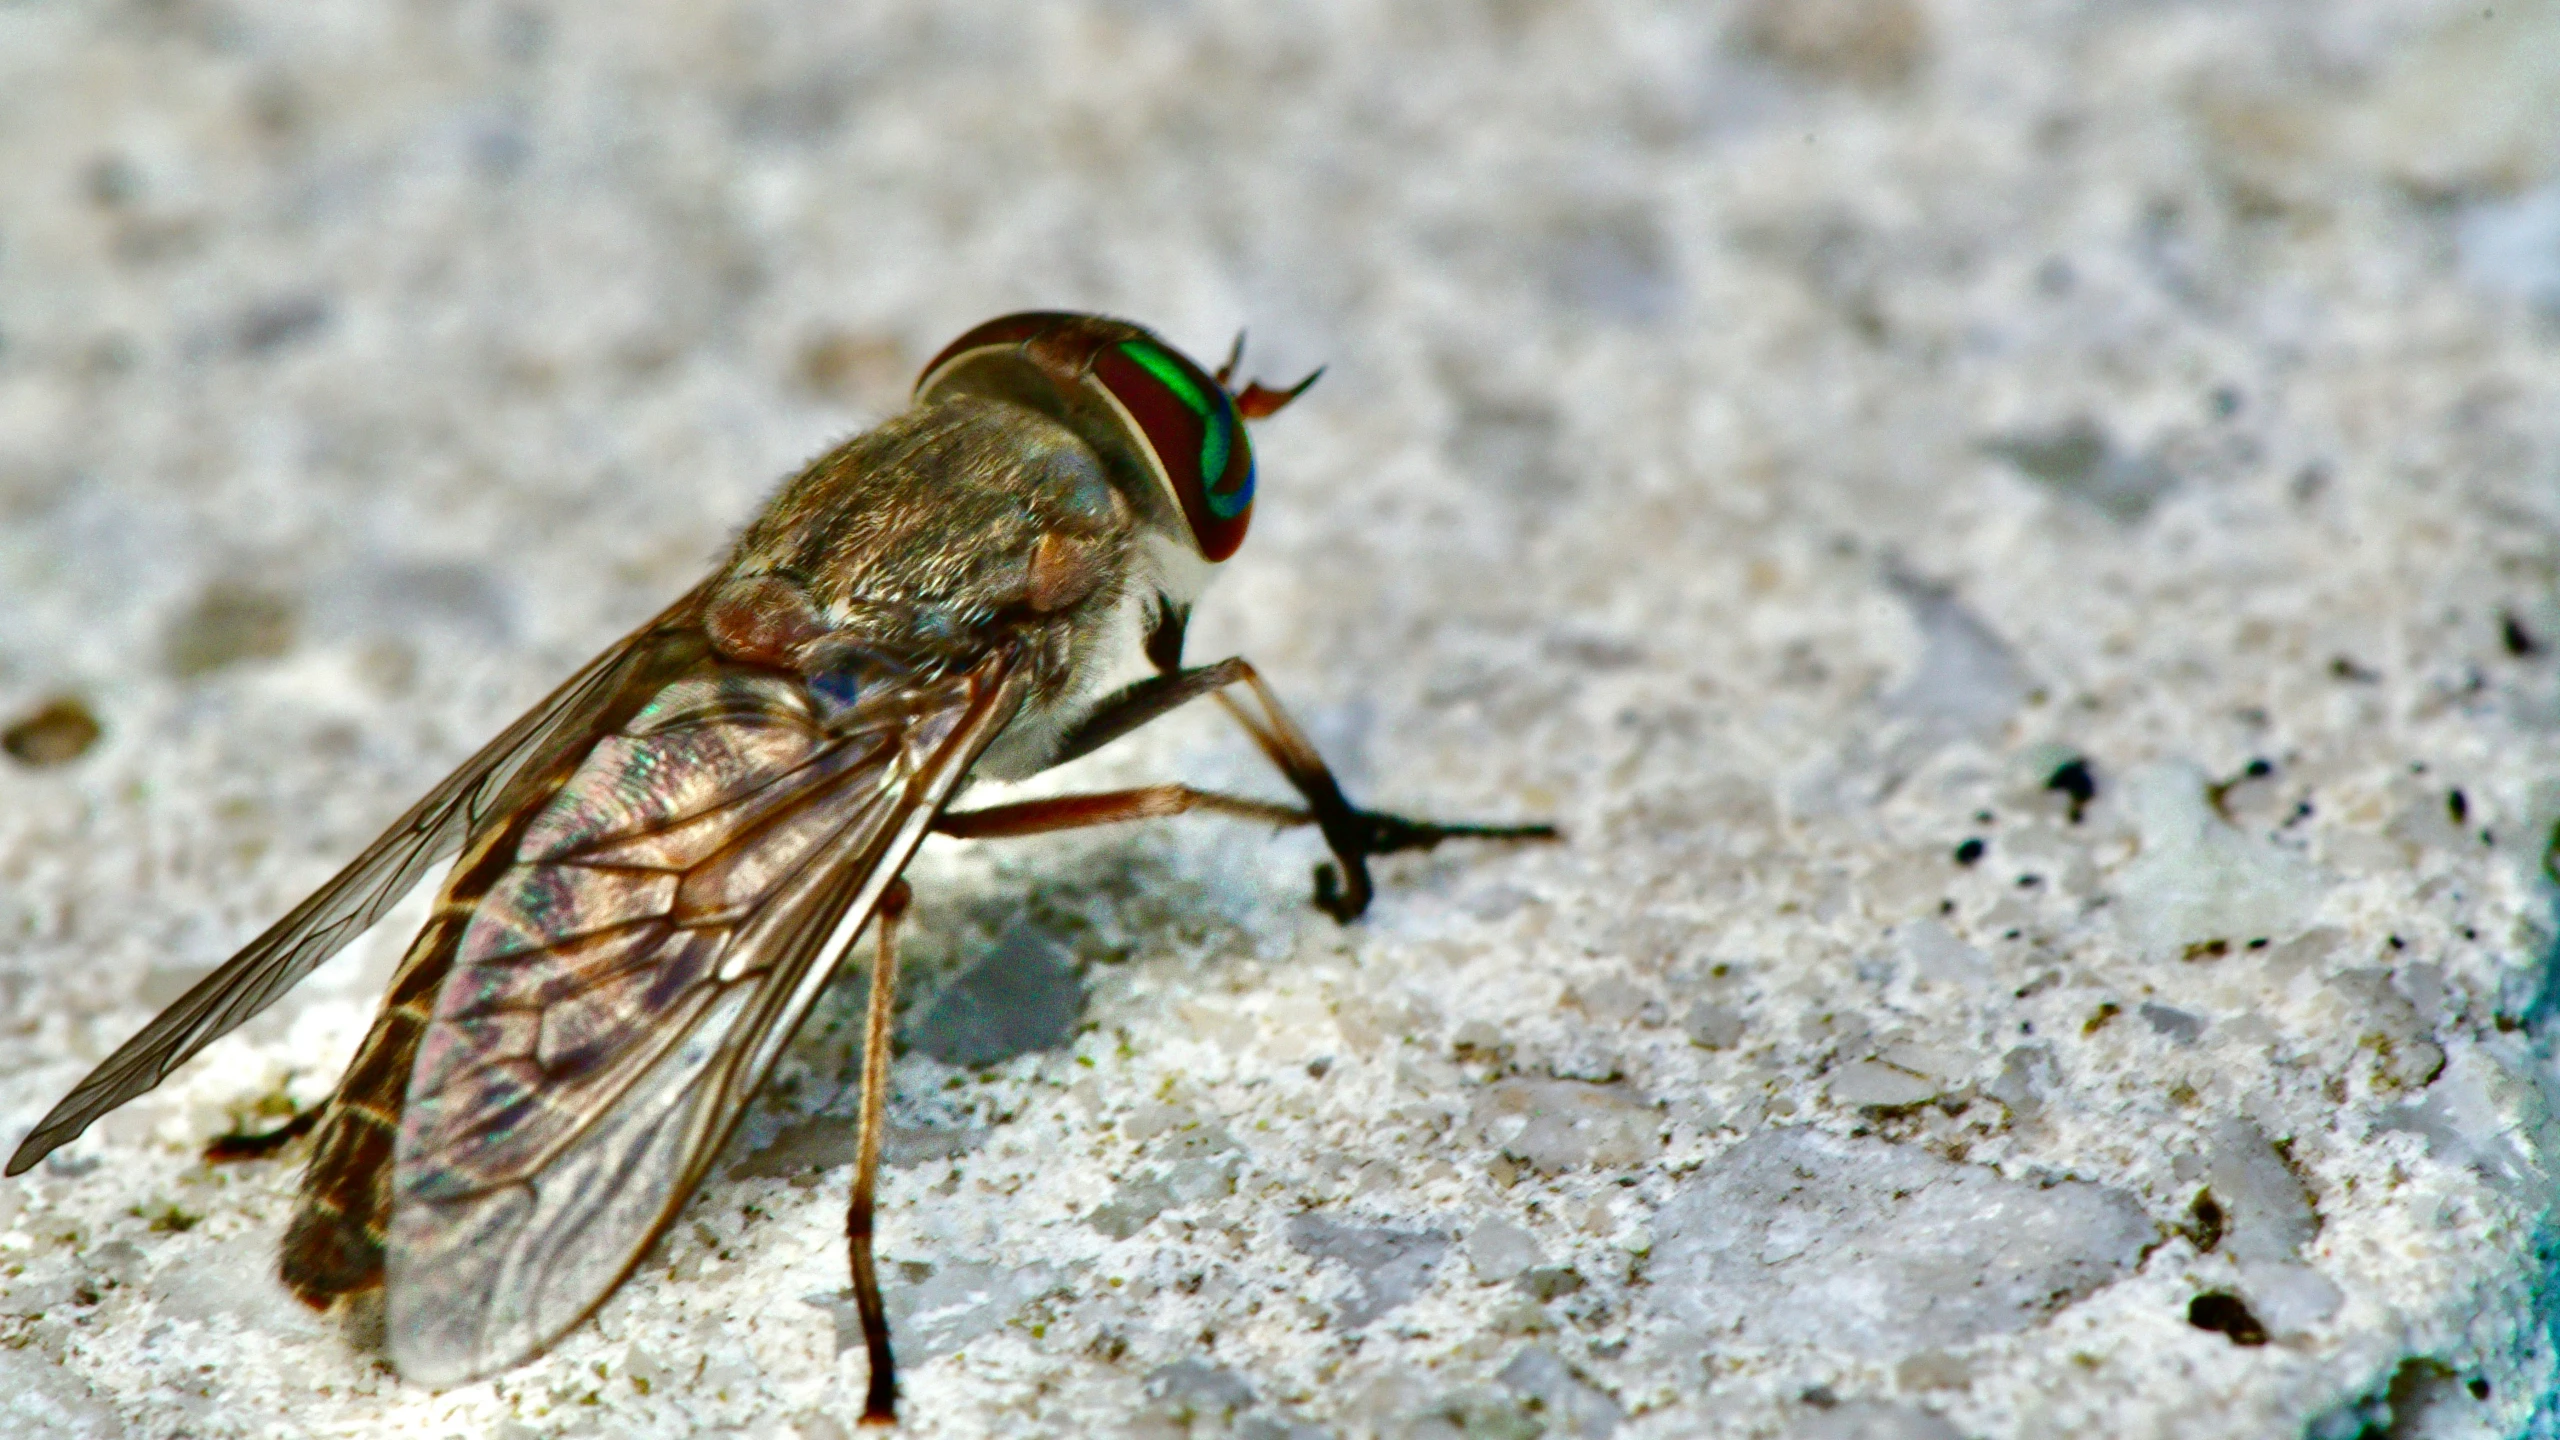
[630, 973]
[357, 896]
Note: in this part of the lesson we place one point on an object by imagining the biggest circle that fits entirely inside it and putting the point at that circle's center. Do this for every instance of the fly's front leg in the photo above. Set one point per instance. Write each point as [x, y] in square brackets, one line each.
[1351, 833]
[1343, 888]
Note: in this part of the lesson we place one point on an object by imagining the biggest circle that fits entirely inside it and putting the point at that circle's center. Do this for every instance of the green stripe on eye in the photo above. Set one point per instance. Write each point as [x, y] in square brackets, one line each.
[1217, 425]
[1213, 459]
[1169, 370]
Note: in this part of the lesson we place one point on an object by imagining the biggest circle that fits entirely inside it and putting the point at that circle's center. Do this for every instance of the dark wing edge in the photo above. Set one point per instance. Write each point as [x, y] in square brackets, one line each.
[346, 906]
[490, 1280]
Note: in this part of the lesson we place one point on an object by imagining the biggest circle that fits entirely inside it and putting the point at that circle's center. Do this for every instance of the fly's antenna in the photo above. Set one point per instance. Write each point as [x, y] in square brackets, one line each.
[1259, 400]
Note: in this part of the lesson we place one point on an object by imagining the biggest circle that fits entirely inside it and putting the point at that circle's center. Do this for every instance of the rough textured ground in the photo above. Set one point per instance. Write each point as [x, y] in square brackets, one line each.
[2018, 539]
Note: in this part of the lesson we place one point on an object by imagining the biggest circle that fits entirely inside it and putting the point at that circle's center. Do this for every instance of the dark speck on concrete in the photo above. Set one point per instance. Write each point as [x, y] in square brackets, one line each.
[279, 323]
[231, 622]
[56, 733]
[2075, 781]
[2518, 640]
[2222, 1311]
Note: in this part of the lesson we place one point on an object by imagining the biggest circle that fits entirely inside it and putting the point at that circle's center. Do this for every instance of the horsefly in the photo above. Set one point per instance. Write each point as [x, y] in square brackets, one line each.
[661, 865]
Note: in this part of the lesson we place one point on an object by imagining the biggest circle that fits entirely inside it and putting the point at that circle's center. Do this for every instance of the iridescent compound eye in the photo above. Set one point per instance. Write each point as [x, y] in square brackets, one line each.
[1190, 424]
[1141, 403]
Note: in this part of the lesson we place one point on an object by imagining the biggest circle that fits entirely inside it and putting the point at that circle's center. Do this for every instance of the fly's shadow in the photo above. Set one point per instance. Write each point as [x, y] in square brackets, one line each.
[1024, 995]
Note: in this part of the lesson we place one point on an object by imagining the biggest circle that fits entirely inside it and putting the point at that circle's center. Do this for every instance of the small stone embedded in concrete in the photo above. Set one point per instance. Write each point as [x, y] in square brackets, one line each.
[1872, 1420]
[1967, 679]
[1717, 1027]
[1132, 1207]
[1562, 1402]
[1550, 1282]
[117, 1262]
[1194, 1390]
[1939, 958]
[2288, 1298]
[2387, 1023]
[1478, 1037]
[1934, 1061]
[2461, 105]
[1280, 1427]
[1147, 1120]
[2171, 1022]
[1198, 1182]
[1932, 1370]
[2470, 1116]
[1498, 1250]
[1795, 1236]
[1560, 1125]
[1385, 1266]
[2267, 1214]
[1468, 1413]
[1872, 1082]
[1613, 1000]
[951, 1304]
[2199, 882]
[1024, 995]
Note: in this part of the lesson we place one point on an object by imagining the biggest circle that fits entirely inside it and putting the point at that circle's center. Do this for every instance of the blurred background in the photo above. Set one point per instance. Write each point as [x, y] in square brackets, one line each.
[2179, 376]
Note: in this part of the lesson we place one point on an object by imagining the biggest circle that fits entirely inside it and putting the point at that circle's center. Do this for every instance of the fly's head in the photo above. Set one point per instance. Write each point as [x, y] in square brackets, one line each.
[1169, 434]
[1056, 473]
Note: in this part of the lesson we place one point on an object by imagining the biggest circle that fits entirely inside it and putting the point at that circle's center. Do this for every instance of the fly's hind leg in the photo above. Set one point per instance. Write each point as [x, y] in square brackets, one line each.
[880, 1402]
[224, 1149]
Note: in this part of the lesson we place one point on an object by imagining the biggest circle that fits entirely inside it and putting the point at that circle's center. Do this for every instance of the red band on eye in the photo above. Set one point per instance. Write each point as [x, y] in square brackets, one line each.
[1179, 436]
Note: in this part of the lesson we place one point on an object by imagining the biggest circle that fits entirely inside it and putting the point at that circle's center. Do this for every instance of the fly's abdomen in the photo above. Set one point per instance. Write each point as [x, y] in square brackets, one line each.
[334, 1247]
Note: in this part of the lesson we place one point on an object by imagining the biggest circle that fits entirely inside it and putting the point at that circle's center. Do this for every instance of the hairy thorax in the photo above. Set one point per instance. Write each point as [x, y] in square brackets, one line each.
[924, 544]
